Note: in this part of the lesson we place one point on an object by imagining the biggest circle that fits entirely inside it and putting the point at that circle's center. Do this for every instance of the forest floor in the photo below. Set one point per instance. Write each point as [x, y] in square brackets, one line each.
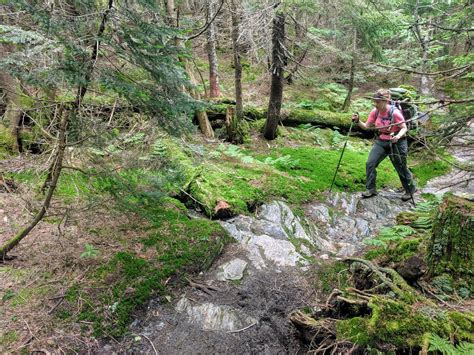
[78, 276]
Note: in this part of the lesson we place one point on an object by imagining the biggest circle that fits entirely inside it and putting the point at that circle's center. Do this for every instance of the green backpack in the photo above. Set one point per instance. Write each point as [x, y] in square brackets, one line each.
[401, 98]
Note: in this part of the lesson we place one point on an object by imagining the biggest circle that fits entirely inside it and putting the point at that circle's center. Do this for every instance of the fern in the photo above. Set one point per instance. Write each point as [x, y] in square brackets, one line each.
[307, 127]
[136, 138]
[159, 149]
[390, 234]
[447, 348]
[285, 162]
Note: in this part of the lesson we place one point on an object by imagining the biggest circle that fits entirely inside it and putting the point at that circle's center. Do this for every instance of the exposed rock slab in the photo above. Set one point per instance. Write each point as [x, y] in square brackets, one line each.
[232, 270]
[209, 316]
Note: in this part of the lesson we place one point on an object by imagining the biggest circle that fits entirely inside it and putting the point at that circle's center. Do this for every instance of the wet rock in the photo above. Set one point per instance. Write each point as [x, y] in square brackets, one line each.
[232, 270]
[209, 316]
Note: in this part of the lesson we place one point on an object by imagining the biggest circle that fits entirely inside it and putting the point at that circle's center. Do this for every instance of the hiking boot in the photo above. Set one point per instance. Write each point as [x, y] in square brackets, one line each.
[369, 193]
[407, 196]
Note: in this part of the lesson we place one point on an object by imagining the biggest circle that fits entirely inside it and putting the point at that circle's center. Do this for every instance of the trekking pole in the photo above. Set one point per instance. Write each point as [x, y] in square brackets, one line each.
[342, 153]
[402, 166]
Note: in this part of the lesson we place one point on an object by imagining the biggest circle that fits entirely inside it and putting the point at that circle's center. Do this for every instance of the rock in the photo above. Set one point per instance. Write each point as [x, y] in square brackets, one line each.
[232, 270]
[320, 213]
[264, 249]
[214, 317]
[280, 214]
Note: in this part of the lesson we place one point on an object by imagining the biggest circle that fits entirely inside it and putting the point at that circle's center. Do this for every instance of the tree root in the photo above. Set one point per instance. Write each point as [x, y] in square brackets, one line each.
[386, 277]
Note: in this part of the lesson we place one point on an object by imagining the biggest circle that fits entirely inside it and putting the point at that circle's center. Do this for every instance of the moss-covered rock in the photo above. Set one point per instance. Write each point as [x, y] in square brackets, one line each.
[394, 325]
[7, 141]
[450, 248]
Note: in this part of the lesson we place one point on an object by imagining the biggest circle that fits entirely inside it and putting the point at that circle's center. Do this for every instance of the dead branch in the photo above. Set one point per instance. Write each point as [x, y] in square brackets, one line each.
[422, 73]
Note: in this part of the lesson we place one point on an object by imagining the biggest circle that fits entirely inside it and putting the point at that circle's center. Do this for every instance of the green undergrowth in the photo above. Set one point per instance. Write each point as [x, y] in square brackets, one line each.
[71, 185]
[393, 323]
[408, 237]
[170, 245]
[246, 176]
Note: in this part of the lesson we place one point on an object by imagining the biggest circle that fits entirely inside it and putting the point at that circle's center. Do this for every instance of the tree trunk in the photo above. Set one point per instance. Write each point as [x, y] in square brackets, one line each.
[278, 64]
[214, 90]
[170, 18]
[350, 86]
[450, 249]
[12, 99]
[236, 19]
[204, 124]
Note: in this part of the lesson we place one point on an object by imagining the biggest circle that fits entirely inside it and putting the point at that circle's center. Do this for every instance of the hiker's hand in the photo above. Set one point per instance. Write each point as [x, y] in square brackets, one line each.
[395, 139]
[355, 117]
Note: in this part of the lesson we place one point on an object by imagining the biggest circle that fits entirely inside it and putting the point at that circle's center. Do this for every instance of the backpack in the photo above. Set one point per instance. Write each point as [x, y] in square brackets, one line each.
[400, 98]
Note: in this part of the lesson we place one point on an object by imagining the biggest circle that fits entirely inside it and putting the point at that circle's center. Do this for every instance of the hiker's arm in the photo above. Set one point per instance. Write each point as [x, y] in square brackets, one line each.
[400, 121]
[364, 125]
[401, 132]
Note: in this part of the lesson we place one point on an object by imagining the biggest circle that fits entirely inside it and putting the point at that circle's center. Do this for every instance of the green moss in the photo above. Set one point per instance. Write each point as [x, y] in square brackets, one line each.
[24, 295]
[395, 323]
[178, 245]
[428, 168]
[395, 251]
[452, 232]
[7, 142]
[330, 276]
[314, 169]
[353, 329]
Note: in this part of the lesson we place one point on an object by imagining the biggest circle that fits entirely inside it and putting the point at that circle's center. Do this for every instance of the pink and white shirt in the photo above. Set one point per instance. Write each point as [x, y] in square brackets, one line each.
[383, 119]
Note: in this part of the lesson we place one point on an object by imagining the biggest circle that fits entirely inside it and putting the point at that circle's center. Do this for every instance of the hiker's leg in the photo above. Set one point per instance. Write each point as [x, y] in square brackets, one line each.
[376, 155]
[399, 161]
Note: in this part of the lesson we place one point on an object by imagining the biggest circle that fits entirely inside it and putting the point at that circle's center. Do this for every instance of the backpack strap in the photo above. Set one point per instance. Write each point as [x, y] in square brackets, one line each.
[390, 113]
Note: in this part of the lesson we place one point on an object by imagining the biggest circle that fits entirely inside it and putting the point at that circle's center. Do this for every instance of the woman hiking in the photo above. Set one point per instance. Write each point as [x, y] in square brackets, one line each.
[390, 142]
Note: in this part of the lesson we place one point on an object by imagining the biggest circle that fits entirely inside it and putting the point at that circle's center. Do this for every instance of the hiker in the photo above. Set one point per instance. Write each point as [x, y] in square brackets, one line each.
[391, 142]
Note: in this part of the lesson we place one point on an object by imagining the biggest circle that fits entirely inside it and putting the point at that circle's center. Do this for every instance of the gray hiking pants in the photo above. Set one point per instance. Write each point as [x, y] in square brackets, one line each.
[398, 156]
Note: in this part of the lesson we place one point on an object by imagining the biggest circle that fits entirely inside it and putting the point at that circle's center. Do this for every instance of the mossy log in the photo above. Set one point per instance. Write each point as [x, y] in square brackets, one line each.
[199, 187]
[289, 117]
[450, 248]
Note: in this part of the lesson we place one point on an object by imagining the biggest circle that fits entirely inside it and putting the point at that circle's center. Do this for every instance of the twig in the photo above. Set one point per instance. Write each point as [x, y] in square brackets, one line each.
[241, 330]
[56, 305]
[199, 286]
[112, 113]
[153, 345]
